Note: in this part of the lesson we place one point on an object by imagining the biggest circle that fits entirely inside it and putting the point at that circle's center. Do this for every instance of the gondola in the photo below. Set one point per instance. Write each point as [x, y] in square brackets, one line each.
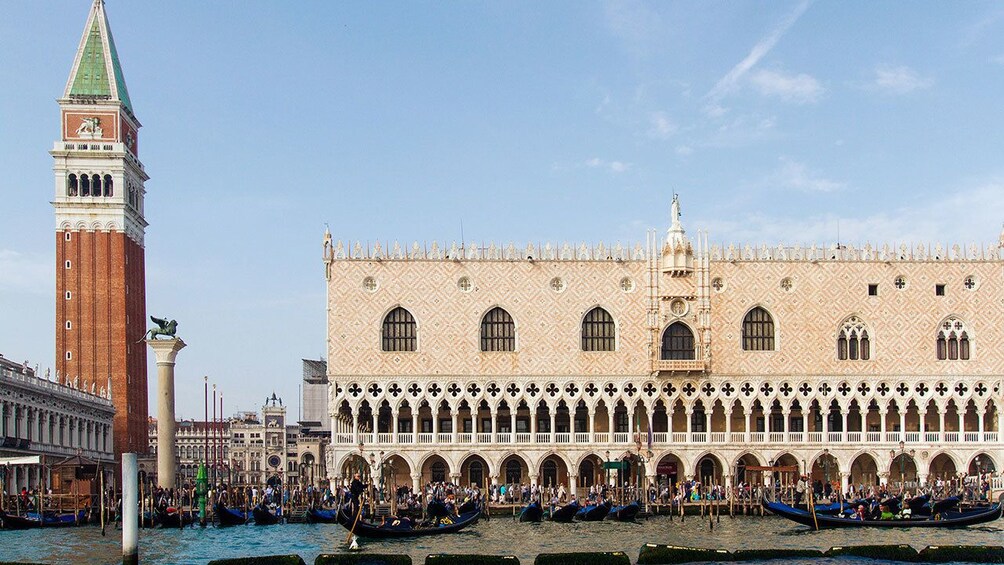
[264, 517]
[403, 527]
[594, 513]
[532, 512]
[566, 512]
[229, 516]
[947, 519]
[322, 516]
[625, 513]
[172, 517]
[47, 520]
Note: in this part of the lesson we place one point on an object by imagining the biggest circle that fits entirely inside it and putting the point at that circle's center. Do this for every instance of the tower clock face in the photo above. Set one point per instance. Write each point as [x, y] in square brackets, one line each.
[274, 461]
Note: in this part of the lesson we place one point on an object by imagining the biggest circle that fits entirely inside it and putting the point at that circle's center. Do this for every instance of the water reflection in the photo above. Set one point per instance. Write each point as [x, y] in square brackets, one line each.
[499, 536]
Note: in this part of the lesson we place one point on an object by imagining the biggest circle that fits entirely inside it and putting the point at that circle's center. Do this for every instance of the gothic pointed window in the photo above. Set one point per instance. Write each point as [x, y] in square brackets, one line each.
[598, 331]
[953, 342]
[399, 331]
[852, 341]
[758, 330]
[498, 332]
[677, 343]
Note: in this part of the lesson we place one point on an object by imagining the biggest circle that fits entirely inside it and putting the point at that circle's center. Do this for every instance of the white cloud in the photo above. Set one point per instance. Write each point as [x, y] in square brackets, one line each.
[999, 59]
[899, 80]
[28, 274]
[799, 89]
[661, 126]
[729, 82]
[935, 221]
[684, 150]
[610, 166]
[634, 23]
[793, 174]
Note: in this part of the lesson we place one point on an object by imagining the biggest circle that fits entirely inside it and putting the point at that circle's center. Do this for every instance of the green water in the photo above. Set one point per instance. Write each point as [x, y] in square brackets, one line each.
[499, 536]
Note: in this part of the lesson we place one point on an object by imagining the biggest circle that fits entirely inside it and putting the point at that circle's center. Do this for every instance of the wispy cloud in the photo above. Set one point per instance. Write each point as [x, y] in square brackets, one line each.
[999, 59]
[799, 89]
[684, 150]
[934, 221]
[662, 127]
[798, 176]
[610, 166]
[899, 80]
[27, 274]
[731, 80]
[634, 23]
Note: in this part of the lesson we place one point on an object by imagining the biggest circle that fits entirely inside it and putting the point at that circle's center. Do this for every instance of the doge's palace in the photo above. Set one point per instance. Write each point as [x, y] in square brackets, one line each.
[681, 359]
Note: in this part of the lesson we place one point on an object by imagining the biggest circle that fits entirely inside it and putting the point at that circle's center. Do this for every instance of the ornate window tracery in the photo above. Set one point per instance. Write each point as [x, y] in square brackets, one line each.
[677, 343]
[758, 330]
[953, 340]
[399, 331]
[853, 342]
[598, 331]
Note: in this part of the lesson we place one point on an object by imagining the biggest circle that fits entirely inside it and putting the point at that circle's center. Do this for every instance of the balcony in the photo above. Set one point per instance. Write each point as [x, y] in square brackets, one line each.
[681, 366]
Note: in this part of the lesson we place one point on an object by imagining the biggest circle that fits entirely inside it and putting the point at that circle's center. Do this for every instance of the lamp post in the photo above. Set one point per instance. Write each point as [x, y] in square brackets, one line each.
[606, 466]
[826, 466]
[902, 462]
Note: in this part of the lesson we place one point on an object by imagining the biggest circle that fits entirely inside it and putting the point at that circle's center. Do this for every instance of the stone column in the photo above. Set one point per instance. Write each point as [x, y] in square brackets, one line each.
[845, 482]
[166, 351]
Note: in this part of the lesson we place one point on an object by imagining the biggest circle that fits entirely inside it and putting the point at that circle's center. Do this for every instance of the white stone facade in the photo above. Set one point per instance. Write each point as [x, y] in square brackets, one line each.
[39, 417]
[717, 357]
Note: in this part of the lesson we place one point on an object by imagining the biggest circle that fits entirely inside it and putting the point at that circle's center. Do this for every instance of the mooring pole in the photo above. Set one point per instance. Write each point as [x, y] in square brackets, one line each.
[130, 510]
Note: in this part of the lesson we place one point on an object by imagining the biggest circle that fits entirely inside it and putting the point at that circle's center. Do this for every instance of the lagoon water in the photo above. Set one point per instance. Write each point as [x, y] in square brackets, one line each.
[501, 536]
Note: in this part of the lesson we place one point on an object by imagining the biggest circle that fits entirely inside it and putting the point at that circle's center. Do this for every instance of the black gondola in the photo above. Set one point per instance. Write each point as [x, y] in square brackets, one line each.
[532, 512]
[322, 516]
[229, 516]
[566, 512]
[263, 516]
[594, 513]
[625, 513]
[403, 527]
[173, 518]
[945, 519]
[47, 520]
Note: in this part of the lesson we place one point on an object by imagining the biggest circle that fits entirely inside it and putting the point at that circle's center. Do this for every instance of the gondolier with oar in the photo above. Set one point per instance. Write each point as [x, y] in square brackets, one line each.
[356, 490]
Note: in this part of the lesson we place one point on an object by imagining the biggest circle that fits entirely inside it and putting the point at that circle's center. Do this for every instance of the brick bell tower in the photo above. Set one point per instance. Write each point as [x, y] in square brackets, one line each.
[100, 271]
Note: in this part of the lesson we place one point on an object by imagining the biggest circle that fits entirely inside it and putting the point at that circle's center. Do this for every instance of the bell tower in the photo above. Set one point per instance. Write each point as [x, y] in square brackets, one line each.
[100, 271]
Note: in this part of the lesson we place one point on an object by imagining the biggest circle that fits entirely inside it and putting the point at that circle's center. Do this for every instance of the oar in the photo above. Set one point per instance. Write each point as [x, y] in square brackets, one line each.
[812, 506]
[354, 522]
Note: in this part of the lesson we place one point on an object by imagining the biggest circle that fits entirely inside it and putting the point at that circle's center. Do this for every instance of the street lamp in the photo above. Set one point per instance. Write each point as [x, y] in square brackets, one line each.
[606, 466]
[902, 462]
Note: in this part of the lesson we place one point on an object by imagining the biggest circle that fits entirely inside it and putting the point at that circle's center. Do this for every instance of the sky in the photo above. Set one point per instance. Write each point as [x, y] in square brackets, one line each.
[265, 122]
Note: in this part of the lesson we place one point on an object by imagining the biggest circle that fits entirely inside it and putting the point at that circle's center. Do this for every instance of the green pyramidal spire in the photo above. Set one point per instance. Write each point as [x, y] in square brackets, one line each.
[96, 70]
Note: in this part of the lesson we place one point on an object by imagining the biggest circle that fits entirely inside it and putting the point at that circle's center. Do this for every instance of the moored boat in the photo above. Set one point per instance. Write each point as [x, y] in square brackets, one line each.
[594, 513]
[625, 513]
[532, 512]
[946, 519]
[263, 516]
[229, 516]
[172, 517]
[566, 512]
[393, 527]
[46, 520]
[322, 516]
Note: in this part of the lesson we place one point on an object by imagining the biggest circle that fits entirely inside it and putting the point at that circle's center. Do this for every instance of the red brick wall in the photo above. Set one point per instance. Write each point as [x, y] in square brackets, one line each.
[107, 310]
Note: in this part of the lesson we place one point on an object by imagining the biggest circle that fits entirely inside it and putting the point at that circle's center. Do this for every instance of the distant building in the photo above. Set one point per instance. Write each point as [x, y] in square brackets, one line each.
[264, 451]
[44, 422]
[197, 442]
[315, 396]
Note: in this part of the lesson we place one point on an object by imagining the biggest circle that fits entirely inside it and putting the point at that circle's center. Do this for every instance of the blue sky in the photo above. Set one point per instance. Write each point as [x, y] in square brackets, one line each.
[526, 121]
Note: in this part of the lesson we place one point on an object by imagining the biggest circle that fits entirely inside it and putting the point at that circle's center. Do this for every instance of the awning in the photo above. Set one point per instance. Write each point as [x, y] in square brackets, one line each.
[24, 460]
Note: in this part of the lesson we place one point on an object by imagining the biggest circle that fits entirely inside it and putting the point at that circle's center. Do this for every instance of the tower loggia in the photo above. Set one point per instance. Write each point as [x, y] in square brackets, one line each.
[100, 265]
